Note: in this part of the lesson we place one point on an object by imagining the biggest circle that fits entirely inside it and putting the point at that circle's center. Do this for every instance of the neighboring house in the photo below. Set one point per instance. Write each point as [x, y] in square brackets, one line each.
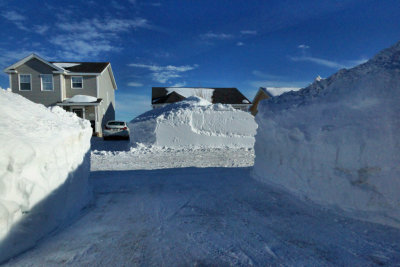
[85, 88]
[162, 96]
[265, 93]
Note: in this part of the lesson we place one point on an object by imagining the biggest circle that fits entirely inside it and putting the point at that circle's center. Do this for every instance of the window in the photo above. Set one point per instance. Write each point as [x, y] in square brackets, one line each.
[47, 82]
[25, 82]
[77, 82]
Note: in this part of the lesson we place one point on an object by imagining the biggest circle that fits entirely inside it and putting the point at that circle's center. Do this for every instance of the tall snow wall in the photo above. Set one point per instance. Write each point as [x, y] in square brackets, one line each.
[337, 142]
[44, 169]
[196, 123]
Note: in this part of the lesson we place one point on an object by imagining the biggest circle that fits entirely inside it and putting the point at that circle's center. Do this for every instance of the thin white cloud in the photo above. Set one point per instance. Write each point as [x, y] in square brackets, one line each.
[277, 83]
[240, 44]
[216, 36]
[181, 84]
[163, 74]
[272, 80]
[15, 18]
[135, 84]
[90, 38]
[320, 61]
[41, 29]
[303, 46]
[248, 32]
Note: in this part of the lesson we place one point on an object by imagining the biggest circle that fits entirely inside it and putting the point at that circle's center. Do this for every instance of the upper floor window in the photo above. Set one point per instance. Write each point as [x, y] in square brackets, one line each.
[25, 82]
[47, 82]
[77, 82]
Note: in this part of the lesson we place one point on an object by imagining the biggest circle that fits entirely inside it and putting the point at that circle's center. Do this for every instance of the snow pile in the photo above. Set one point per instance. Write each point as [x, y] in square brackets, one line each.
[205, 93]
[44, 163]
[81, 99]
[194, 122]
[337, 142]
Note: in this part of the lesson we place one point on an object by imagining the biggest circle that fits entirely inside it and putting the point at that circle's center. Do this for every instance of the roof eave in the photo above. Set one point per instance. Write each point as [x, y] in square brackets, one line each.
[26, 59]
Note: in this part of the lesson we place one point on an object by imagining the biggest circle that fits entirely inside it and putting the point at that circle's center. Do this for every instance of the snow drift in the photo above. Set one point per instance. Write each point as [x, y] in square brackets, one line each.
[194, 122]
[337, 142]
[44, 168]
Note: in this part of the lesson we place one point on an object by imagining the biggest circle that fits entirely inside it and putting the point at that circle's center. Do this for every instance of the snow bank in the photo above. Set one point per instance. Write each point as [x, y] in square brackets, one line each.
[194, 122]
[337, 142]
[44, 167]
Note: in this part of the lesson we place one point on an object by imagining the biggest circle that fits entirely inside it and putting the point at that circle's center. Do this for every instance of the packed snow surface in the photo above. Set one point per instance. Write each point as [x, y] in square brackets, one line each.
[206, 217]
[194, 122]
[337, 141]
[122, 156]
[205, 93]
[41, 150]
[81, 99]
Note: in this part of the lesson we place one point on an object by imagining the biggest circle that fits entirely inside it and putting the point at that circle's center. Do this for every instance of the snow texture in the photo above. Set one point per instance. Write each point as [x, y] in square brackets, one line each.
[81, 99]
[152, 157]
[205, 93]
[194, 122]
[44, 167]
[337, 141]
[66, 64]
[208, 217]
[276, 91]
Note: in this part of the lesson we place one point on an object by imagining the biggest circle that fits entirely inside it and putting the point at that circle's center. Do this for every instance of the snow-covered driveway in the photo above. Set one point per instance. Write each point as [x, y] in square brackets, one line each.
[208, 216]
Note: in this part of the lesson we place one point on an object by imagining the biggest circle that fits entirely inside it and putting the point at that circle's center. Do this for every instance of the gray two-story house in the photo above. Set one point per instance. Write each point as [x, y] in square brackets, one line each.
[85, 88]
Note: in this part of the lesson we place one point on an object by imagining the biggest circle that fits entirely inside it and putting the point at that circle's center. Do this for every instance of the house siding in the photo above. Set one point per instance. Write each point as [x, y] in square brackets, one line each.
[36, 68]
[89, 86]
[106, 92]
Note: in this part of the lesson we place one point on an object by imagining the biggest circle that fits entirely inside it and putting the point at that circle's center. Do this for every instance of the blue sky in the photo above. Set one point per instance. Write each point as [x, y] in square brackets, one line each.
[219, 43]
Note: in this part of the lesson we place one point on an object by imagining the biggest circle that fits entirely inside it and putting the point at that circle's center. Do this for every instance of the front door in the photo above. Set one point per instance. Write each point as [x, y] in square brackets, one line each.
[78, 112]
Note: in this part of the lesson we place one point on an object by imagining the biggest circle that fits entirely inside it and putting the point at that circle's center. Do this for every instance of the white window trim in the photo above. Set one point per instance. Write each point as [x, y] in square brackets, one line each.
[72, 84]
[52, 83]
[19, 81]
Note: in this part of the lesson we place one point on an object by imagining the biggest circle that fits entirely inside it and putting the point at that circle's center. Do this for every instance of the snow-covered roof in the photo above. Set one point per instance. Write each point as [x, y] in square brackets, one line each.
[164, 95]
[205, 93]
[80, 100]
[65, 64]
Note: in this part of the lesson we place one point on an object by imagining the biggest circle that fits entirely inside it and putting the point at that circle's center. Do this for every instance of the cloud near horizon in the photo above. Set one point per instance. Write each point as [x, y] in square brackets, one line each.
[163, 74]
[328, 63]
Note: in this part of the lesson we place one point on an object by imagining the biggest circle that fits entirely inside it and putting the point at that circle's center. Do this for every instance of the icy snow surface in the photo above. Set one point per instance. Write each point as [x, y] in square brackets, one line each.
[41, 149]
[194, 122]
[81, 99]
[205, 93]
[207, 216]
[337, 141]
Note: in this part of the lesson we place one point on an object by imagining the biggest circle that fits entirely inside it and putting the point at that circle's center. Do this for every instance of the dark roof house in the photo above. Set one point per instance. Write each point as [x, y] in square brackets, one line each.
[165, 95]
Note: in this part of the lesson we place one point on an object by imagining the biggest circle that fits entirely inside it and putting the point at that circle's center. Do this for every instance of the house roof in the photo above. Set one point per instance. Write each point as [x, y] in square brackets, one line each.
[163, 95]
[69, 68]
[82, 67]
[170, 98]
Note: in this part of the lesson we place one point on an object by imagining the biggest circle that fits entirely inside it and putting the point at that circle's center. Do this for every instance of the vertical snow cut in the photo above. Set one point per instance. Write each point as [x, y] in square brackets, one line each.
[194, 122]
[337, 142]
[44, 169]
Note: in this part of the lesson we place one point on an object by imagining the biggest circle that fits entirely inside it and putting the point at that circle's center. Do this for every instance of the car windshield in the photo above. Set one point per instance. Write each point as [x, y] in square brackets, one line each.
[116, 123]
